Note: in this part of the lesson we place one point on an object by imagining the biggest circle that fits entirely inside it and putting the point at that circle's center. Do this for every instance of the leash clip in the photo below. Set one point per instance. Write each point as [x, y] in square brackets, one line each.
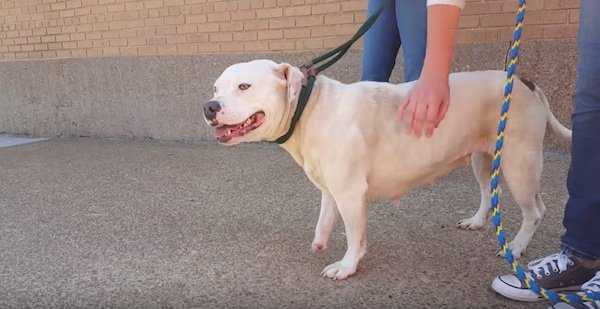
[308, 70]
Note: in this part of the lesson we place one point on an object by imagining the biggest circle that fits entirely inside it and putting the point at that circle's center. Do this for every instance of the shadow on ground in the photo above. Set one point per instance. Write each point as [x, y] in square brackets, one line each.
[101, 223]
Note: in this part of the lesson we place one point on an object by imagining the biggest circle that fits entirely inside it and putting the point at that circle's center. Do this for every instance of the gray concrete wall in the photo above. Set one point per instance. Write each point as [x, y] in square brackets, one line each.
[160, 97]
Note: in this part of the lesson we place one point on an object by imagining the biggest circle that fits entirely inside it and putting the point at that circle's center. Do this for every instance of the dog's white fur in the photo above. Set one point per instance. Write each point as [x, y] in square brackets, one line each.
[353, 148]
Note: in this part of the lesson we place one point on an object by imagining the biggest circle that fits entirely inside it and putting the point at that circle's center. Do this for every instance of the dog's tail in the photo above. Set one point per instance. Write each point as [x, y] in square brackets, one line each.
[558, 128]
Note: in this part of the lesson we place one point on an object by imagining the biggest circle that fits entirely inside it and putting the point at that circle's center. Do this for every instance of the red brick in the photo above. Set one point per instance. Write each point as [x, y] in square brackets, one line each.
[482, 7]
[354, 5]
[297, 11]
[296, 33]
[221, 37]
[270, 34]
[468, 21]
[197, 38]
[231, 47]
[233, 26]
[325, 8]
[309, 44]
[256, 46]
[269, 13]
[495, 20]
[309, 21]
[225, 6]
[186, 28]
[560, 31]
[256, 24]
[243, 15]
[282, 45]
[223, 16]
[339, 18]
[333, 42]
[556, 17]
[167, 50]
[574, 16]
[195, 19]
[208, 48]
[279, 23]
[147, 50]
[210, 27]
[245, 36]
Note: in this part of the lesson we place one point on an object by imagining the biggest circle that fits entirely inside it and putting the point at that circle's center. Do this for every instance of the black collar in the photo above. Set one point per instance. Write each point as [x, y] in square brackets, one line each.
[307, 86]
[329, 58]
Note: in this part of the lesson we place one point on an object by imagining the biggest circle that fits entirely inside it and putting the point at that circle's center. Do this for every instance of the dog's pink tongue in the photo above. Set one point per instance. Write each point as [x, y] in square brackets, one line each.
[222, 135]
[259, 118]
[220, 132]
[225, 133]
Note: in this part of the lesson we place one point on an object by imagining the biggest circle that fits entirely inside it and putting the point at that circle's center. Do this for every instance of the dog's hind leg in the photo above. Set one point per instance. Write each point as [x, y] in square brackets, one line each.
[523, 170]
[481, 164]
[327, 217]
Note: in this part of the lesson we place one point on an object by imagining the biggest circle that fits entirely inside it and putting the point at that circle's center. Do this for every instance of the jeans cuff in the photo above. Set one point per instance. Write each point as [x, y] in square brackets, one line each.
[570, 250]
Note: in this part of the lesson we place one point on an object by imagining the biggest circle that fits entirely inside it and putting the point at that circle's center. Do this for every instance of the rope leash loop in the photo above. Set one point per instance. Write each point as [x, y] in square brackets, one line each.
[518, 270]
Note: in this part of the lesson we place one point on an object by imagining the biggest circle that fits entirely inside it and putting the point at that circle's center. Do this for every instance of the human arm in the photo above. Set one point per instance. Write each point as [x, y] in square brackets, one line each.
[427, 102]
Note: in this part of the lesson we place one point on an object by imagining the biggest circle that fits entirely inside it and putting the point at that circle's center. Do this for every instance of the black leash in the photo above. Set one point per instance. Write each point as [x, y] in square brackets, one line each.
[320, 64]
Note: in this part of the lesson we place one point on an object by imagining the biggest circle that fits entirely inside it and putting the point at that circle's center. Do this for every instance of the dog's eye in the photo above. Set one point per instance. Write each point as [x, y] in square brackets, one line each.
[243, 86]
[215, 89]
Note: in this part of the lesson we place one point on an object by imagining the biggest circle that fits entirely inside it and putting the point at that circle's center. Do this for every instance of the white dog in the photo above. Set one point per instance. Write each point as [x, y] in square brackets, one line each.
[352, 147]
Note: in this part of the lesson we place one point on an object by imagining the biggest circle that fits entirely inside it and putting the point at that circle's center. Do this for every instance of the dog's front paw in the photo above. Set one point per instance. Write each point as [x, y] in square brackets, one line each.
[473, 223]
[337, 271]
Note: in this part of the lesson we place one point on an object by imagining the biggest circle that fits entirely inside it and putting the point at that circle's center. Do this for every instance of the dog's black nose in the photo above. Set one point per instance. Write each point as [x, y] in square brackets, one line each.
[211, 108]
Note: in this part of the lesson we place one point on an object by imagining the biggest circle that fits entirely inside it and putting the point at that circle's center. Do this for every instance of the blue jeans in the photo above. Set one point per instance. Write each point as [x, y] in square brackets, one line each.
[402, 23]
[582, 213]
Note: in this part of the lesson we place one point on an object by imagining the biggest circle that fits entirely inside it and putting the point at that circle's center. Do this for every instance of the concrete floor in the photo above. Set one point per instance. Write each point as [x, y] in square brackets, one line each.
[119, 224]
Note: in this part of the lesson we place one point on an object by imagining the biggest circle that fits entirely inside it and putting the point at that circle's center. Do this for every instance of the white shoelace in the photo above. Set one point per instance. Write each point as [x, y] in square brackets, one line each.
[593, 285]
[557, 262]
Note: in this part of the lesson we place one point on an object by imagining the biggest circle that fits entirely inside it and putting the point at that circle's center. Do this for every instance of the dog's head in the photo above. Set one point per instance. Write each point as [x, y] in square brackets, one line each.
[253, 101]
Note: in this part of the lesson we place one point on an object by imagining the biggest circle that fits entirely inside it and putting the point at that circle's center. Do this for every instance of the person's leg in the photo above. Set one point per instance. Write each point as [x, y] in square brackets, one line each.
[381, 44]
[579, 260]
[411, 18]
[582, 214]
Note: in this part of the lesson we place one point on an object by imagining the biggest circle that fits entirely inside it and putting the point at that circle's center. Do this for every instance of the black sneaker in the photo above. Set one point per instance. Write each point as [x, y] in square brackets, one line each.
[592, 285]
[560, 272]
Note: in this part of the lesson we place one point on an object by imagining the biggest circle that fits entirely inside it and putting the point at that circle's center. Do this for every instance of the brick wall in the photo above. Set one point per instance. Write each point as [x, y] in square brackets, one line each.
[40, 29]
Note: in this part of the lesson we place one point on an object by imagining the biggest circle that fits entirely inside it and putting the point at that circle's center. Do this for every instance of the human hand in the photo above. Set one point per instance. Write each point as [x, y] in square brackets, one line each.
[426, 104]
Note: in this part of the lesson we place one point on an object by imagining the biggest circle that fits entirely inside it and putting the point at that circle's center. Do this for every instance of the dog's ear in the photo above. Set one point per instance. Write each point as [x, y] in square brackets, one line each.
[293, 80]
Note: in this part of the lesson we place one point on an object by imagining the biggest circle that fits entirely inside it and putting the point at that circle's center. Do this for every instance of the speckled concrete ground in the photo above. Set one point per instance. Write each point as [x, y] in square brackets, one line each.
[120, 224]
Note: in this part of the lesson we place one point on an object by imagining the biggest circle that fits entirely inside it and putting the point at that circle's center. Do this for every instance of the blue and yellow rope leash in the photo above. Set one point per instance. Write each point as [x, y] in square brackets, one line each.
[505, 251]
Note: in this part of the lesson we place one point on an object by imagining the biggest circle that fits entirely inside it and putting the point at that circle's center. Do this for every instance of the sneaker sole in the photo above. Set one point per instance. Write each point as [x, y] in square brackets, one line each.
[498, 289]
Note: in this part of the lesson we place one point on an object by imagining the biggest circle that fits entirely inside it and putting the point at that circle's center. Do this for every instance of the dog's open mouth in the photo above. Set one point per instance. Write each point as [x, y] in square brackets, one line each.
[226, 132]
